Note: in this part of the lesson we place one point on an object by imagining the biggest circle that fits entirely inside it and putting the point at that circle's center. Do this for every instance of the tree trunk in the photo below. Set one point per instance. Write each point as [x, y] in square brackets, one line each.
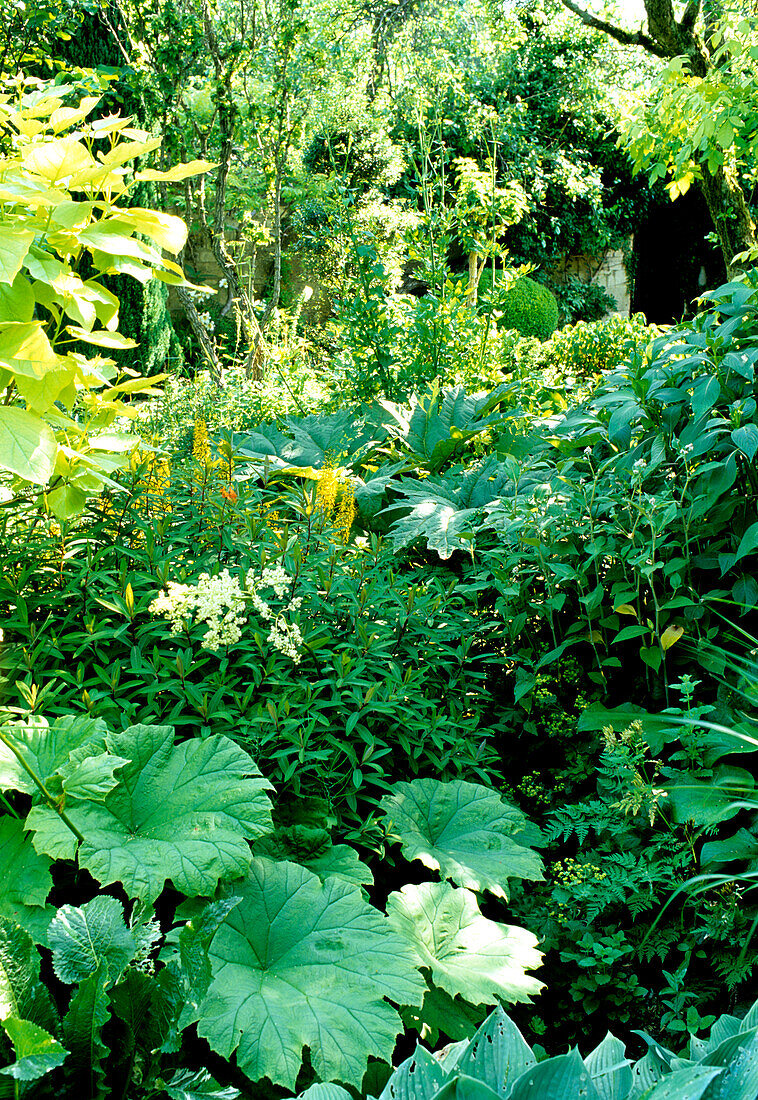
[730, 214]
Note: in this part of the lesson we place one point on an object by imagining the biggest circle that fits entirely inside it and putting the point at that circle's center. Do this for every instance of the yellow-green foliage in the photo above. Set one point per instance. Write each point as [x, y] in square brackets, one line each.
[529, 308]
[64, 185]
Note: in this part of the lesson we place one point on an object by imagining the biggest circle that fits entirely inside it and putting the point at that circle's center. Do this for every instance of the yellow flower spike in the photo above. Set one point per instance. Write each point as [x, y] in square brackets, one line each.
[201, 448]
[326, 488]
[343, 521]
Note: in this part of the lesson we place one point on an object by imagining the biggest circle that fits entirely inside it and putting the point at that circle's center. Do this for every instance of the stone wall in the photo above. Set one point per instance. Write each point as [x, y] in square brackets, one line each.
[607, 270]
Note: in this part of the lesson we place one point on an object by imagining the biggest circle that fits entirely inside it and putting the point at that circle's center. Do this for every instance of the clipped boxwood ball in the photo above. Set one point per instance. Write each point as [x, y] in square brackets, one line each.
[529, 308]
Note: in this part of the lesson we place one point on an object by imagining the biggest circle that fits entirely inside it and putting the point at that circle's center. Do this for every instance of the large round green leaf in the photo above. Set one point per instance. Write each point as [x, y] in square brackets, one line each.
[180, 812]
[304, 963]
[468, 955]
[465, 831]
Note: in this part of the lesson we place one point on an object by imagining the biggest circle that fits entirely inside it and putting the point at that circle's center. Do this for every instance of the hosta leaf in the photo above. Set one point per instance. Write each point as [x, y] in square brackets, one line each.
[87, 939]
[87, 1014]
[187, 1084]
[498, 1054]
[37, 1052]
[46, 748]
[685, 1084]
[468, 955]
[180, 812]
[556, 1079]
[303, 963]
[419, 1077]
[465, 831]
[25, 879]
[22, 993]
[610, 1069]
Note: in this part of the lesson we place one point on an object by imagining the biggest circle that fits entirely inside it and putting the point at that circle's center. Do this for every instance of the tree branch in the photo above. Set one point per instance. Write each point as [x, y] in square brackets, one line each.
[689, 19]
[626, 38]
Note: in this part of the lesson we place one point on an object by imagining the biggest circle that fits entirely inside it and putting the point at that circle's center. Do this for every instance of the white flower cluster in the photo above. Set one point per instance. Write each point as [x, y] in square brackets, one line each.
[217, 602]
[284, 636]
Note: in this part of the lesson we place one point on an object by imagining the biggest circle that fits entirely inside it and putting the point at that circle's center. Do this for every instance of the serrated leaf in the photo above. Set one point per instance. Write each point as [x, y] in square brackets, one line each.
[465, 831]
[90, 939]
[497, 1054]
[90, 777]
[337, 859]
[195, 971]
[87, 1014]
[45, 748]
[187, 1084]
[25, 879]
[468, 955]
[37, 1052]
[27, 445]
[556, 1079]
[303, 963]
[22, 993]
[181, 813]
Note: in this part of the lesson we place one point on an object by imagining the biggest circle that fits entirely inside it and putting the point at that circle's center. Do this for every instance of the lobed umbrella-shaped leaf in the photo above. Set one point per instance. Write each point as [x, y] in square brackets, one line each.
[85, 939]
[46, 748]
[25, 880]
[440, 422]
[445, 510]
[465, 831]
[37, 1052]
[182, 813]
[301, 963]
[468, 955]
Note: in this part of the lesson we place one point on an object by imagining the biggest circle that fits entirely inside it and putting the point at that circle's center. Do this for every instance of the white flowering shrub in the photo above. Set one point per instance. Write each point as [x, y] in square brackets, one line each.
[221, 603]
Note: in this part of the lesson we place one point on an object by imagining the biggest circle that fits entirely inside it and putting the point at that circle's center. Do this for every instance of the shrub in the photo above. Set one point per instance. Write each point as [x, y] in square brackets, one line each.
[530, 308]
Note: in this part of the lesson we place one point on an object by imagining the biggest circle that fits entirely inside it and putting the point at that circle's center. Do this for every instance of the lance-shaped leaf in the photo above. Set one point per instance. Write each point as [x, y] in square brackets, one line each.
[85, 939]
[182, 813]
[301, 963]
[468, 955]
[25, 880]
[22, 993]
[37, 1052]
[465, 831]
[83, 1024]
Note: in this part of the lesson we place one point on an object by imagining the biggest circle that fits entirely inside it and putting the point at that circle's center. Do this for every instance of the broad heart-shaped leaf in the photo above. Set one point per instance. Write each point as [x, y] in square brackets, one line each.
[443, 510]
[46, 748]
[468, 955]
[22, 994]
[14, 245]
[25, 880]
[498, 1054]
[610, 1069]
[419, 1077]
[37, 1052]
[304, 963]
[27, 445]
[465, 831]
[180, 812]
[84, 939]
[87, 1014]
[556, 1079]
